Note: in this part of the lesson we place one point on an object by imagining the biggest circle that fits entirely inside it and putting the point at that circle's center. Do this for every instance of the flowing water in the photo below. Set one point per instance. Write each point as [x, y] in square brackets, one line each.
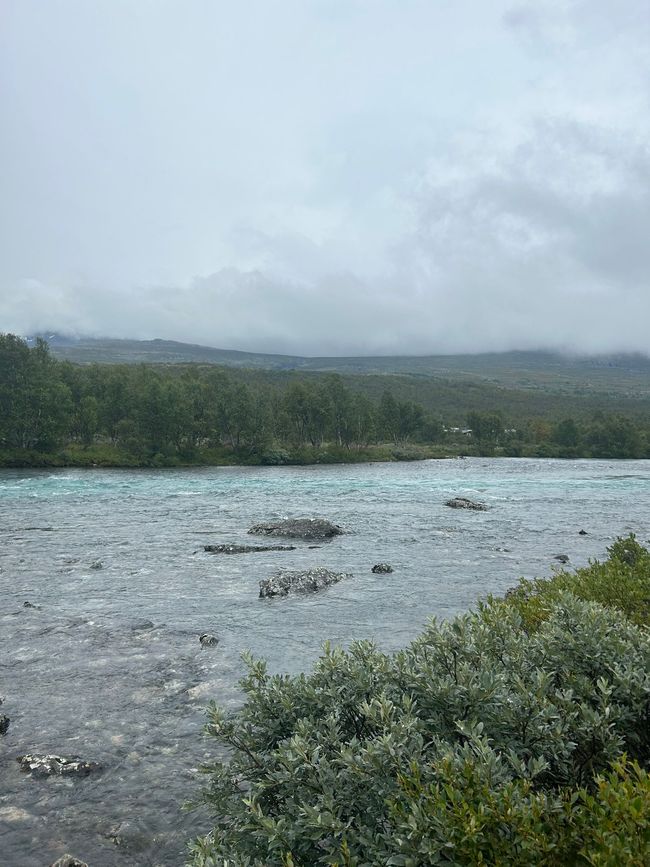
[108, 664]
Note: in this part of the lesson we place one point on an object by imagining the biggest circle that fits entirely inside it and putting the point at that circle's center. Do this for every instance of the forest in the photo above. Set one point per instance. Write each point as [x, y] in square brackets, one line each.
[56, 413]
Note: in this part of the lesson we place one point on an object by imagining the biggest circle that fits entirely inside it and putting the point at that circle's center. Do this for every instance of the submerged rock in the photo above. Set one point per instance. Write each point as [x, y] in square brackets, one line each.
[142, 626]
[31, 605]
[68, 861]
[582, 532]
[245, 549]
[50, 765]
[129, 835]
[299, 528]
[464, 503]
[97, 564]
[562, 558]
[4, 724]
[381, 569]
[208, 640]
[309, 581]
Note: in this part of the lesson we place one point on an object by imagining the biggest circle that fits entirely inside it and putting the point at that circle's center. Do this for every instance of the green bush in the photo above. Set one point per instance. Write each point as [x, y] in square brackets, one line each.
[480, 743]
[622, 582]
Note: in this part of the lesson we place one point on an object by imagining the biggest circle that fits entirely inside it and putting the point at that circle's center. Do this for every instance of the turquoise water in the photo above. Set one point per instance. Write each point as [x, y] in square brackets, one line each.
[107, 553]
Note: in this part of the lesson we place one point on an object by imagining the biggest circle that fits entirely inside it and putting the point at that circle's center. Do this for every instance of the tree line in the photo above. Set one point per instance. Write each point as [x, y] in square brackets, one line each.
[149, 413]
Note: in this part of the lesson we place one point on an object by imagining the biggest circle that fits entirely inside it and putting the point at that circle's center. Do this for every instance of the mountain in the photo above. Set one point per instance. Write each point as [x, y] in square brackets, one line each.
[625, 375]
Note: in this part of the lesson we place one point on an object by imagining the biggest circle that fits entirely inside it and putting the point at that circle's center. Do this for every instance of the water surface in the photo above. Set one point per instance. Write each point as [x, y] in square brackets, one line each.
[109, 666]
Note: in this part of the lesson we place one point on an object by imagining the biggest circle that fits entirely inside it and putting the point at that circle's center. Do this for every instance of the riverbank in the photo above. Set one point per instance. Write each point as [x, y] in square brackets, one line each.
[114, 457]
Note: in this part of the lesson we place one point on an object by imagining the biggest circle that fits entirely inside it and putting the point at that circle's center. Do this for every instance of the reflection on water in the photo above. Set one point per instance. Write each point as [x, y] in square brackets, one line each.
[108, 665]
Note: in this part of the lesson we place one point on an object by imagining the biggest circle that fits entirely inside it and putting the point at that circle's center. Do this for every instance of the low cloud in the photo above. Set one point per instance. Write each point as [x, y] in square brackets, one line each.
[507, 213]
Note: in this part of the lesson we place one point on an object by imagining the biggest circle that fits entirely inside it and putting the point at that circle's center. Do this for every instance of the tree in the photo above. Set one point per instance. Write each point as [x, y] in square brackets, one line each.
[486, 427]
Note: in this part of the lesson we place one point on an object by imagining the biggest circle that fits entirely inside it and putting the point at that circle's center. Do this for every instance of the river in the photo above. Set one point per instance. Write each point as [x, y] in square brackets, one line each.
[108, 665]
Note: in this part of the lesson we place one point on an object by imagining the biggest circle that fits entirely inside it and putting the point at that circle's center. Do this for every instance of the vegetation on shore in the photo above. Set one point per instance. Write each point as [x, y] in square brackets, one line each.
[515, 735]
[54, 413]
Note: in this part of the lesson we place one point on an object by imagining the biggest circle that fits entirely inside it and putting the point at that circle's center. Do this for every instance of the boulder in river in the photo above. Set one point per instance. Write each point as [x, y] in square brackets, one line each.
[382, 569]
[582, 532]
[50, 766]
[562, 558]
[68, 861]
[464, 503]
[284, 582]
[245, 549]
[298, 528]
[4, 724]
[208, 640]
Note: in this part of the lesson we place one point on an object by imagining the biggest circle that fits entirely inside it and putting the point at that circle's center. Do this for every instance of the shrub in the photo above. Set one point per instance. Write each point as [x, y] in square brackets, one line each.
[477, 744]
[621, 582]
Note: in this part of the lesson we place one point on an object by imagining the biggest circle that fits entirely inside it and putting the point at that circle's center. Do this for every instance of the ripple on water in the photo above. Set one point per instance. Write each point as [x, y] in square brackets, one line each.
[109, 664]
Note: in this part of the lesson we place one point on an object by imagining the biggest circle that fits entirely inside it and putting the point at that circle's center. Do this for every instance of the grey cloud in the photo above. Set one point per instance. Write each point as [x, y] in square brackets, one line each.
[329, 177]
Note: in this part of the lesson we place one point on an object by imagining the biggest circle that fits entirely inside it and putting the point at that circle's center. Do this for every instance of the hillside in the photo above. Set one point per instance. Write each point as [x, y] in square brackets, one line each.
[620, 375]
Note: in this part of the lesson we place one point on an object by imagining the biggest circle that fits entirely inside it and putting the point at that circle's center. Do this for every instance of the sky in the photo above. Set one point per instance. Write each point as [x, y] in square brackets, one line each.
[328, 177]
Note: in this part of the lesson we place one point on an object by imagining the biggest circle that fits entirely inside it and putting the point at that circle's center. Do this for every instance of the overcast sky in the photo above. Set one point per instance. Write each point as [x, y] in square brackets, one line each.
[328, 176]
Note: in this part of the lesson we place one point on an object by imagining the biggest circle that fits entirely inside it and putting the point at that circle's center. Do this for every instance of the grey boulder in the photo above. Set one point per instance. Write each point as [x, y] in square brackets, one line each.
[245, 549]
[298, 528]
[464, 503]
[382, 569]
[310, 581]
[50, 766]
[68, 861]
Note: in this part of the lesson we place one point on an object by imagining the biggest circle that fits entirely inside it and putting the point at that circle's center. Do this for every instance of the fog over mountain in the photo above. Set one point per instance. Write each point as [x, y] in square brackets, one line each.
[328, 176]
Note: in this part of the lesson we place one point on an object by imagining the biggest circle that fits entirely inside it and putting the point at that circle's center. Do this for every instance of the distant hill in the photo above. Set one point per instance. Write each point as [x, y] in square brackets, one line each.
[621, 375]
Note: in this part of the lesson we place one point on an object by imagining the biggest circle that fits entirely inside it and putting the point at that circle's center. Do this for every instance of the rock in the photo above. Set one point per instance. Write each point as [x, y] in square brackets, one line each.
[14, 814]
[382, 569]
[208, 640]
[582, 532]
[68, 861]
[245, 549]
[299, 528]
[464, 503]
[30, 605]
[129, 836]
[563, 558]
[49, 766]
[142, 625]
[97, 564]
[310, 581]
[4, 724]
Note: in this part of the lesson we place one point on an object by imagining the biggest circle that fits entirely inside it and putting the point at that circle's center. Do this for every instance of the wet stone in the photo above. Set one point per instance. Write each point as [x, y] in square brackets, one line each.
[4, 724]
[61, 766]
[245, 549]
[464, 503]
[562, 558]
[129, 836]
[68, 861]
[14, 814]
[208, 640]
[299, 528]
[382, 569]
[310, 581]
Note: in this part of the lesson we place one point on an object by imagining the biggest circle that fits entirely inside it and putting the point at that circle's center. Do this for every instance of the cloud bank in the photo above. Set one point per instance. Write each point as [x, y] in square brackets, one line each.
[329, 177]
